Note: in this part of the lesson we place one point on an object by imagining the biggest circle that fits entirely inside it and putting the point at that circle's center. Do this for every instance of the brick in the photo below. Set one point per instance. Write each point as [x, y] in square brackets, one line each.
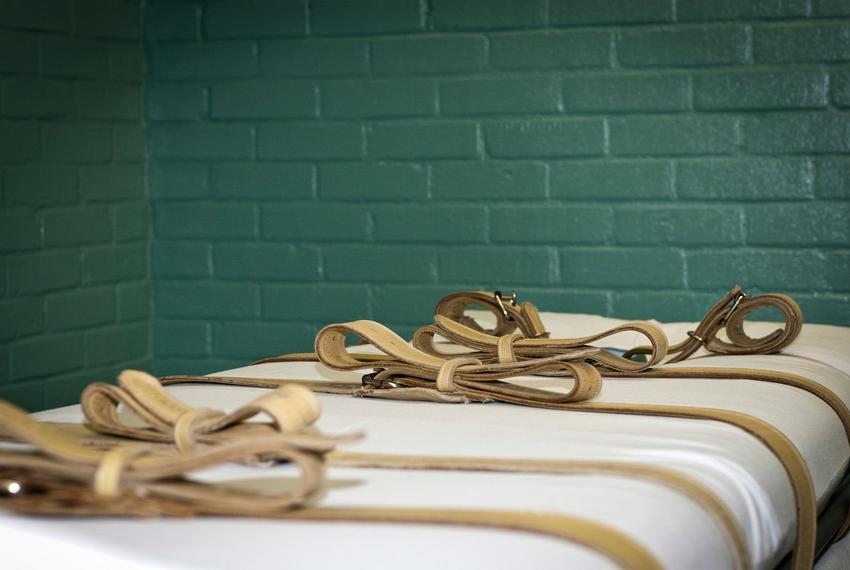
[670, 306]
[783, 90]
[611, 12]
[41, 185]
[777, 133]
[357, 181]
[838, 270]
[130, 142]
[134, 301]
[41, 272]
[73, 57]
[341, 17]
[19, 229]
[688, 10]
[205, 60]
[264, 99]
[173, 21]
[776, 270]
[422, 140]
[109, 100]
[114, 264]
[679, 225]
[626, 92]
[204, 220]
[314, 222]
[430, 223]
[568, 300]
[182, 338]
[499, 95]
[172, 102]
[407, 304]
[551, 49]
[29, 396]
[683, 46]
[18, 52]
[613, 179]
[831, 8]
[674, 135]
[117, 344]
[798, 225]
[652, 268]
[802, 42]
[175, 180]
[321, 302]
[765, 178]
[21, 317]
[555, 137]
[310, 140]
[82, 308]
[5, 373]
[550, 223]
[49, 15]
[840, 87]
[314, 57]
[257, 340]
[108, 19]
[112, 182]
[37, 97]
[126, 62]
[205, 299]
[181, 259]
[74, 226]
[66, 389]
[132, 220]
[440, 54]
[19, 141]
[201, 141]
[77, 142]
[262, 180]
[487, 14]
[379, 264]
[490, 180]
[498, 267]
[266, 261]
[833, 177]
[379, 98]
[47, 354]
[196, 366]
[825, 308]
[255, 19]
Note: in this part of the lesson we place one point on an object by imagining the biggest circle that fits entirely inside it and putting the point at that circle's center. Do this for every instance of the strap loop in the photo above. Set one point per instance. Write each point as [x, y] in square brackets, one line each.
[445, 377]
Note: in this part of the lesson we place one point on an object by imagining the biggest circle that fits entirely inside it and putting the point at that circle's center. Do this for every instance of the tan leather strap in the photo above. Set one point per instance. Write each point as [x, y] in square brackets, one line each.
[510, 316]
[56, 458]
[772, 438]
[291, 409]
[729, 313]
[405, 362]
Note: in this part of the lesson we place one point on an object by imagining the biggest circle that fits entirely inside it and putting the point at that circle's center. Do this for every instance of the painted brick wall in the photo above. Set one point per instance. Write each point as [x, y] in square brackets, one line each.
[327, 160]
[74, 219]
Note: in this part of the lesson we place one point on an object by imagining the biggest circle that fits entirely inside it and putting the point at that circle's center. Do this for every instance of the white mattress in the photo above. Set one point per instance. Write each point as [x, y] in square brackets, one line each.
[732, 463]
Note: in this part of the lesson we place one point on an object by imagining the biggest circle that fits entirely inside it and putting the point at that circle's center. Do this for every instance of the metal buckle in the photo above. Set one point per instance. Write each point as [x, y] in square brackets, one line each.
[740, 297]
[370, 381]
[692, 334]
[500, 301]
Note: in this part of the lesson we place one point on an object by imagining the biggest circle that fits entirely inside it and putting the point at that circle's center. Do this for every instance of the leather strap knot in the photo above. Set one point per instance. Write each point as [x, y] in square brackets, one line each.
[505, 347]
[445, 377]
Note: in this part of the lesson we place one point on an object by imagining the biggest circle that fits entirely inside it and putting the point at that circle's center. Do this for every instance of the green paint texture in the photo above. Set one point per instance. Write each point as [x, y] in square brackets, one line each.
[307, 162]
[75, 289]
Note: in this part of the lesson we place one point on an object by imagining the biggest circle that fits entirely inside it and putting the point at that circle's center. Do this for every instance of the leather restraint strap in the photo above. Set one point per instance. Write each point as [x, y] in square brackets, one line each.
[729, 313]
[59, 476]
[125, 476]
[772, 438]
[154, 401]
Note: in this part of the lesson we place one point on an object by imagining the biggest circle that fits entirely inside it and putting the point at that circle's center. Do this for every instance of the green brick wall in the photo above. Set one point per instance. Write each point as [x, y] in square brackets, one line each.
[74, 215]
[327, 160]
